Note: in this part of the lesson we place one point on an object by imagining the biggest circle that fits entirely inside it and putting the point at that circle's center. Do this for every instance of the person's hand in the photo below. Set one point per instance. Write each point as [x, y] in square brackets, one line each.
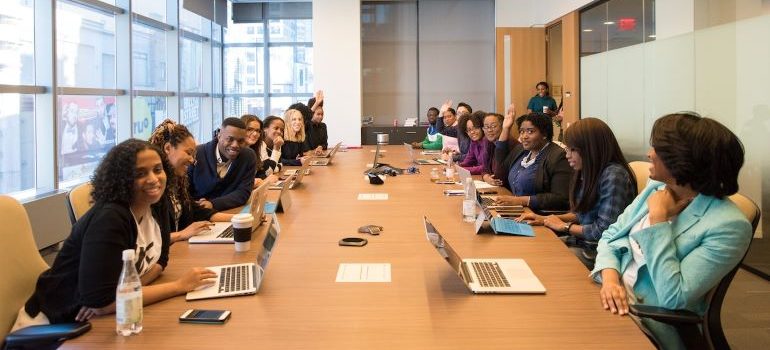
[194, 278]
[663, 206]
[277, 142]
[554, 223]
[194, 229]
[510, 117]
[86, 313]
[303, 159]
[613, 294]
[492, 180]
[319, 151]
[416, 144]
[445, 106]
[559, 116]
[507, 200]
[203, 202]
[530, 218]
[319, 96]
[272, 178]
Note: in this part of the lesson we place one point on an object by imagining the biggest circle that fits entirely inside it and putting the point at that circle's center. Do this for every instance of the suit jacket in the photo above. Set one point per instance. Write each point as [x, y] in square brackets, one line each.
[551, 180]
[684, 258]
[229, 192]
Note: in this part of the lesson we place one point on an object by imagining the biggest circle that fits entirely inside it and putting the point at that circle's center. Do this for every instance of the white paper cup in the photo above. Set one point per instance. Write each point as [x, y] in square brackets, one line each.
[242, 224]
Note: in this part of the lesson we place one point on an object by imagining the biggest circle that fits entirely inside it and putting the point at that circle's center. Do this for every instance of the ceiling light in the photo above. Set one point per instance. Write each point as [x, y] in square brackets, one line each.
[588, 30]
[609, 22]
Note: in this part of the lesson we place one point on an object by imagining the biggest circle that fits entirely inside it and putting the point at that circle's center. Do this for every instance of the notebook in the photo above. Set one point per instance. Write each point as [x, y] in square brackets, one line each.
[222, 232]
[327, 158]
[239, 279]
[486, 276]
[418, 161]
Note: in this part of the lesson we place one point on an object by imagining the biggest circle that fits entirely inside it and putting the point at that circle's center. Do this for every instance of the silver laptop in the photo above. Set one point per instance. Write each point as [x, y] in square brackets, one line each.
[294, 181]
[418, 161]
[222, 232]
[239, 279]
[327, 158]
[284, 199]
[497, 276]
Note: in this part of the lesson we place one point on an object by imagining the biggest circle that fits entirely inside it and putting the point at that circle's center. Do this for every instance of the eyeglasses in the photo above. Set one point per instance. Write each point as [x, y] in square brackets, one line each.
[491, 126]
[474, 129]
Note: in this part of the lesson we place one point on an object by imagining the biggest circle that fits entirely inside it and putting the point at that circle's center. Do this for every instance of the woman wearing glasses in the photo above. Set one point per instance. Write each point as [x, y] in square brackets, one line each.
[265, 165]
[536, 171]
[479, 155]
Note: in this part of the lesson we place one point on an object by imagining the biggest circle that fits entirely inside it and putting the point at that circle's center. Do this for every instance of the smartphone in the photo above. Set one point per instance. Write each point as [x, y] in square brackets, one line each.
[205, 316]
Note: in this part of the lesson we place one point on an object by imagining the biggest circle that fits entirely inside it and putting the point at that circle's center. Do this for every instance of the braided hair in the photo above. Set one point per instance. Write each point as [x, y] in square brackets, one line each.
[172, 133]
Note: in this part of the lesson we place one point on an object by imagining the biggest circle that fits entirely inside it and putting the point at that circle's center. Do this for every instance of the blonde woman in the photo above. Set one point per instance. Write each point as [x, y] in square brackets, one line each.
[294, 146]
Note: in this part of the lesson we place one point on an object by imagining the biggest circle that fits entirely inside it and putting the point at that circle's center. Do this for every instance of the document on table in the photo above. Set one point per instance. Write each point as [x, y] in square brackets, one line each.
[372, 196]
[363, 273]
[381, 150]
[482, 185]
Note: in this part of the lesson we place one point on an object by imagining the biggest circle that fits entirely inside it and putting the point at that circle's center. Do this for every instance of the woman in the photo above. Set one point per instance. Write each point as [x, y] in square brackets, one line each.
[479, 156]
[542, 101]
[189, 218]
[535, 171]
[130, 212]
[493, 126]
[272, 130]
[682, 234]
[294, 148]
[253, 134]
[602, 186]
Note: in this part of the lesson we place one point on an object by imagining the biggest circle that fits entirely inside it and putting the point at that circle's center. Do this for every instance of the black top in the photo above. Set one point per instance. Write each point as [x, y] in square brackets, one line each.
[87, 269]
[291, 150]
[316, 135]
[229, 192]
[191, 214]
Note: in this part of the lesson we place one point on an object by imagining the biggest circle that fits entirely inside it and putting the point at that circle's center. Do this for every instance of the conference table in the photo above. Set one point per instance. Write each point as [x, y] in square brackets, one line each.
[425, 306]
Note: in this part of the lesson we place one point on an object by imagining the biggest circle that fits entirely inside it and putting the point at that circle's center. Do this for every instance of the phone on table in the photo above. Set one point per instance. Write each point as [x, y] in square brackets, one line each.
[205, 316]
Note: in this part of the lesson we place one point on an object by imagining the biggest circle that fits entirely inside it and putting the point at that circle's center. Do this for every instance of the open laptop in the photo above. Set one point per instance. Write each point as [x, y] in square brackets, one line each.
[330, 152]
[496, 276]
[284, 199]
[222, 232]
[327, 159]
[239, 279]
[294, 181]
[418, 161]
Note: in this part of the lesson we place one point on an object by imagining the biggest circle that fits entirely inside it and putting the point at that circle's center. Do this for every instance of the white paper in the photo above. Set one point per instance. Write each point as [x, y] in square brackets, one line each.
[481, 184]
[381, 150]
[372, 196]
[363, 273]
[450, 143]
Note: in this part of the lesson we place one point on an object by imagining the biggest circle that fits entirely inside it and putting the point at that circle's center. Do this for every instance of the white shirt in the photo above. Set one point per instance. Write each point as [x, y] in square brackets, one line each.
[631, 274]
[148, 243]
[223, 166]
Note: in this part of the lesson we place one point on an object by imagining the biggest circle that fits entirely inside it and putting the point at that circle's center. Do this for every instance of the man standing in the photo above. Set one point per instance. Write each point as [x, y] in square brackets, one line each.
[223, 174]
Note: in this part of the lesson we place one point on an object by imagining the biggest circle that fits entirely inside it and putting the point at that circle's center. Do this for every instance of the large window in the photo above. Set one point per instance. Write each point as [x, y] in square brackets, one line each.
[268, 61]
[614, 24]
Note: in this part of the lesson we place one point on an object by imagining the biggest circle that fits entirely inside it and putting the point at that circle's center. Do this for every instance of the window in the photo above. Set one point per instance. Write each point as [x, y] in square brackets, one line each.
[154, 9]
[190, 65]
[616, 24]
[17, 43]
[85, 43]
[190, 116]
[149, 58]
[149, 111]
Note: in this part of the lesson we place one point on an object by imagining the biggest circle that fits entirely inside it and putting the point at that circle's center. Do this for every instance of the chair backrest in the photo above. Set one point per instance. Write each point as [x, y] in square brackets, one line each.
[79, 201]
[712, 327]
[642, 173]
[20, 262]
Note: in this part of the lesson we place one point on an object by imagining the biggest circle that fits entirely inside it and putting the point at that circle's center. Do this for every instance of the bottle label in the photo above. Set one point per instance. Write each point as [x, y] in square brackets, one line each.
[128, 307]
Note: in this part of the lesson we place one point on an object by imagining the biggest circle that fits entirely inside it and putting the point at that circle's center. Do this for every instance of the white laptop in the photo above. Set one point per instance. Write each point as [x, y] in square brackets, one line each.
[330, 152]
[284, 199]
[222, 232]
[294, 181]
[239, 279]
[418, 161]
[496, 276]
[327, 158]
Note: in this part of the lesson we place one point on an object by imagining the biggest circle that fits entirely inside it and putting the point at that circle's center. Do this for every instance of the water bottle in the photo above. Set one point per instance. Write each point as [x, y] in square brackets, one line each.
[449, 171]
[128, 298]
[469, 203]
[434, 175]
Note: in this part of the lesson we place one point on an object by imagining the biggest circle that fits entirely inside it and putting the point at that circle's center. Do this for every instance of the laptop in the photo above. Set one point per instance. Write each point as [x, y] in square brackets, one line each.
[488, 202]
[284, 199]
[486, 276]
[294, 181]
[418, 161]
[222, 232]
[239, 279]
[327, 159]
[330, 152]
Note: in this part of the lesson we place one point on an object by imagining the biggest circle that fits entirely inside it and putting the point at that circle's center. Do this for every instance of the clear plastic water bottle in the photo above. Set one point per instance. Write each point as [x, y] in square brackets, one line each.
[449, 171]
[469, 203]
[128, 298]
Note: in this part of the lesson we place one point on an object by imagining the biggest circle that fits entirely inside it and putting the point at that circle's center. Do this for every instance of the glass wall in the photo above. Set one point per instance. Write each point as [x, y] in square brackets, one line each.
[614, 24]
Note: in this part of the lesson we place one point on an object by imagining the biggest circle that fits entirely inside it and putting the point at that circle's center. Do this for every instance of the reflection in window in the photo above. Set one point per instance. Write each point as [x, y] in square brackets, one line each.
[291, 30]
[87, 130]
[243, 75]
[149, 111]
[149, 58]
[190, 65]
[85, 43]
[17, 43]
[17, 142]
[615, 24]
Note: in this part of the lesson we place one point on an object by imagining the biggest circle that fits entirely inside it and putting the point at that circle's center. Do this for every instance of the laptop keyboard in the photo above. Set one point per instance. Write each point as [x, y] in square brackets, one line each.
[486, 201]
[227, 233]
[489, 274]
[234, 278]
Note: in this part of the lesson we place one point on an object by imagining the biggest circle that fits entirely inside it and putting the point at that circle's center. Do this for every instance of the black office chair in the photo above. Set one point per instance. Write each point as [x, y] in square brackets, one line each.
[689, 324]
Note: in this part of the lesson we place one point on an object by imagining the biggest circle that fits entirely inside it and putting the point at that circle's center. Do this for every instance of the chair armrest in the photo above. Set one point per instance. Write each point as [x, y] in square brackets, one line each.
[665, 315]
[45, 336]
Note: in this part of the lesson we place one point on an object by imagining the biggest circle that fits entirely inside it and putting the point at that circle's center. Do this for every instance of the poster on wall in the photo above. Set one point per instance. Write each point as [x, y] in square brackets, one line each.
[87, 130]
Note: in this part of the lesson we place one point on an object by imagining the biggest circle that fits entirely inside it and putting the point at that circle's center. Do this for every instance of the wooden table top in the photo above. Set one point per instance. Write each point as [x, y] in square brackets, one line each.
[426, 306]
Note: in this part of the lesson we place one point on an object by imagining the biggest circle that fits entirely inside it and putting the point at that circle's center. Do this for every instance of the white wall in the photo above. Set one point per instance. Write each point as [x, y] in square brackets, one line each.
[674, 17]
[337, 66]
[526, 13]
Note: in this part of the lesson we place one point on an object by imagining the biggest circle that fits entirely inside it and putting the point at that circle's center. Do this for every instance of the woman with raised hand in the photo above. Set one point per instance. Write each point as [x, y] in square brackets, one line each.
[130, 212]
[682, 234]
[265, 166]
[294, 149]
[602, 186]
[189, 218]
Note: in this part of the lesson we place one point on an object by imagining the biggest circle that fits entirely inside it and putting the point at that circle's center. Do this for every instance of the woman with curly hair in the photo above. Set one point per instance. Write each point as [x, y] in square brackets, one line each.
[130, 212]
[265, 165]
[189, 218]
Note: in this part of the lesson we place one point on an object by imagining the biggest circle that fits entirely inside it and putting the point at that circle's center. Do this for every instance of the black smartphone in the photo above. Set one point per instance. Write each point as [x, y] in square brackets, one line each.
[205, 316]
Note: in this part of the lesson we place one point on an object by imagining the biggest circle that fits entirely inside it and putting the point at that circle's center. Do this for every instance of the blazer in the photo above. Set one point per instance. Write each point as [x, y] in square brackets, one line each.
[684, 258]
[229, 192]
[552, 178]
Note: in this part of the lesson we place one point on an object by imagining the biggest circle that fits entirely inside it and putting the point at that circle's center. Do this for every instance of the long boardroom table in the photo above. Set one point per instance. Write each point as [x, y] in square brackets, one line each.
[425, 306]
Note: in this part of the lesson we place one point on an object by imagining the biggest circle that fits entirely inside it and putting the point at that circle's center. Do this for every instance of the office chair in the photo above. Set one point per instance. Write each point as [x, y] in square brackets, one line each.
[79, 201]
[689, 324]
[22, 266]
[642, 173]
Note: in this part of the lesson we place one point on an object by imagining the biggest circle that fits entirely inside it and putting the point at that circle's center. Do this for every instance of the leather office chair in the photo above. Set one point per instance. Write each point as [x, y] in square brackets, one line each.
[689, 324]
[22, 264]
[79, 201]
[641, 172]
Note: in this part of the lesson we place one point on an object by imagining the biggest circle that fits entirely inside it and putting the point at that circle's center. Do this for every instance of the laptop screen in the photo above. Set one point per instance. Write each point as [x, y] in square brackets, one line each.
[442, 246]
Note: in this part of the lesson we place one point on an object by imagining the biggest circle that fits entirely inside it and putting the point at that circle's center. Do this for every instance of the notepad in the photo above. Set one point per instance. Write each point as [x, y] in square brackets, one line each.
[363, 273]
[372, 196]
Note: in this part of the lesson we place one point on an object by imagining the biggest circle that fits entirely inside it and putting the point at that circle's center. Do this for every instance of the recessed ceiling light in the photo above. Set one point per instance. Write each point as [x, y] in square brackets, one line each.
[588, 30]
[651, 36]
[609, 22]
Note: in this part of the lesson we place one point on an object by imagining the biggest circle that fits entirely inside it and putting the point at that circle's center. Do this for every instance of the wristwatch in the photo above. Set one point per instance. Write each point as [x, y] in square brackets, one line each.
[567, 226]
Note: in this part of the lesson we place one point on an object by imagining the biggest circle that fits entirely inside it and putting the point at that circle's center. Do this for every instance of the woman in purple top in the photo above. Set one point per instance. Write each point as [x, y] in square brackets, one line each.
[479, 157]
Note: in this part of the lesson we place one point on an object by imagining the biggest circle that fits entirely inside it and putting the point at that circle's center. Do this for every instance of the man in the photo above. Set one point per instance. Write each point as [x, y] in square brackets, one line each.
[70, 129]
[432, 140]
[223, 174]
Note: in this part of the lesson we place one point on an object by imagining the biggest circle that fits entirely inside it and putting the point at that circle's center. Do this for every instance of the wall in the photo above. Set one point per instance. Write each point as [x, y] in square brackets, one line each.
[526, 13]
[527, 65]
[337, 66]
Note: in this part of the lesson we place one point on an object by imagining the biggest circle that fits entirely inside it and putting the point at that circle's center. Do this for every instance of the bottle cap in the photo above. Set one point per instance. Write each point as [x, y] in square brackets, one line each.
[128, 254]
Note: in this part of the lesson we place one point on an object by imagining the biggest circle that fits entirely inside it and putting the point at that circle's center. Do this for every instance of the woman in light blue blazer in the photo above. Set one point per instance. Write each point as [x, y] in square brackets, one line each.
[681, 235]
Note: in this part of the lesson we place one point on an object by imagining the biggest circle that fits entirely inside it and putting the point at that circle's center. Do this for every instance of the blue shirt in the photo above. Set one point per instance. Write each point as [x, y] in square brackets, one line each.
[536, 103]
[615, 193]
[522, 180]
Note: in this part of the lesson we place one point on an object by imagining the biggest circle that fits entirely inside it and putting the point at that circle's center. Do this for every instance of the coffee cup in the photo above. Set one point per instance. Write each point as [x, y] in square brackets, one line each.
[242, 224]
[545, 109]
